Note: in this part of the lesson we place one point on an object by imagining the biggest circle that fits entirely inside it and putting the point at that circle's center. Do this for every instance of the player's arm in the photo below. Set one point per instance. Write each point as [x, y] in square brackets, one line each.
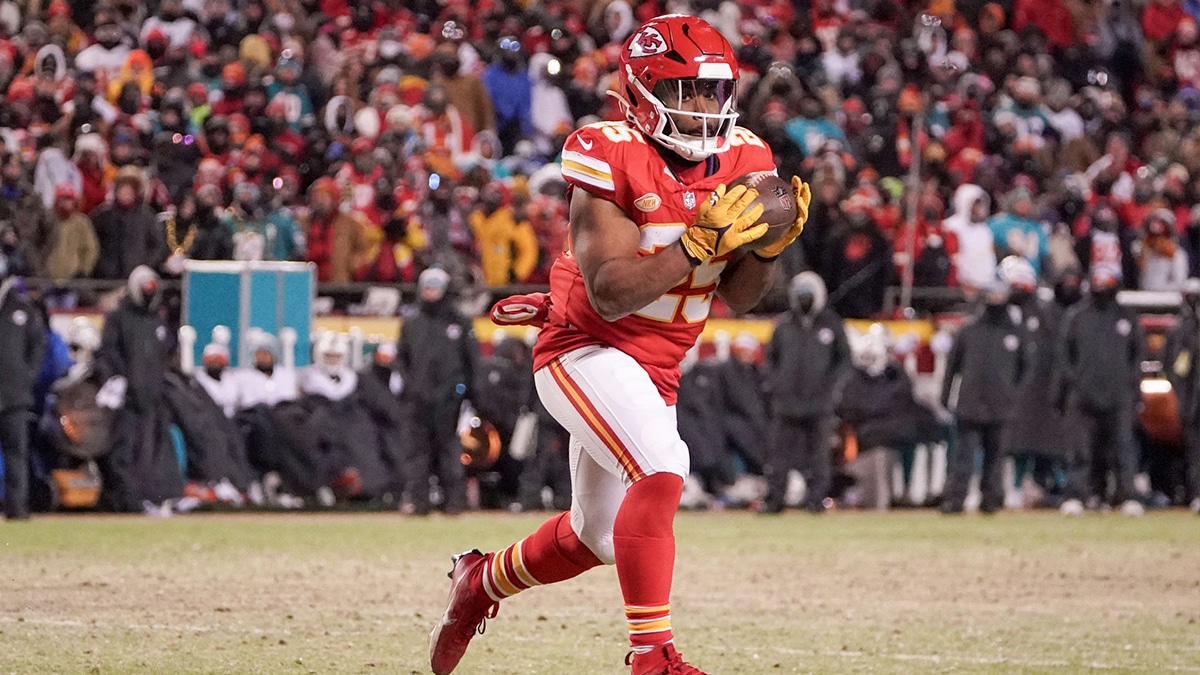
[605, 243]
[745, 281]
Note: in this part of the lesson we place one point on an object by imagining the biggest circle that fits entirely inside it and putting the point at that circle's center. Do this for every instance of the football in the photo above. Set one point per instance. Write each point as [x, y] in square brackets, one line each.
[778, 201]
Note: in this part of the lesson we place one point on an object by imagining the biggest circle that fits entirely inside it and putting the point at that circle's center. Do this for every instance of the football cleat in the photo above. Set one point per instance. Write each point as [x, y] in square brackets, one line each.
[467, 612]
[662, 660]
[522, 310]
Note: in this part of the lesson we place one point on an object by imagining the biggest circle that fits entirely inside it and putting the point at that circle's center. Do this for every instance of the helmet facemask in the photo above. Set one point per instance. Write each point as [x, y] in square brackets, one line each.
[693, 117]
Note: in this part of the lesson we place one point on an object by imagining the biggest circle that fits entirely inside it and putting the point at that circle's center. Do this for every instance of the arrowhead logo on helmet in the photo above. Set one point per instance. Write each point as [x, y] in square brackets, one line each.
[648, 42]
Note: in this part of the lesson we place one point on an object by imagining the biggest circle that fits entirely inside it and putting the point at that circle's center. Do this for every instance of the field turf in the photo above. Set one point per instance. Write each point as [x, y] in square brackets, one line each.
[903, 592]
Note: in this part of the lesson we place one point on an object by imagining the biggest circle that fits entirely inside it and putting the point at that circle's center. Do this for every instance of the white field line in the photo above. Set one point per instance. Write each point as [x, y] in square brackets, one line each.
[977, 660]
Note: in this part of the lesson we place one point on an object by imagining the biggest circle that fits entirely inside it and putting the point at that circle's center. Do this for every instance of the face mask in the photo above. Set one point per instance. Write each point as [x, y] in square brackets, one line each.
[1067, 294]
[1104, 296]
[214, 371]
[804, 303]
[1019, 296]
[1105, 224]
[265, 368]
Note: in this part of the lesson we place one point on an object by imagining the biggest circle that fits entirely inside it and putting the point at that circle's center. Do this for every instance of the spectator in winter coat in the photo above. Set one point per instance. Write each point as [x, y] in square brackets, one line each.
[700, 423]
[549, 112]
[1036, 430]
[1016, 232]
[140, 465]
[438, 355]
[52, 170]
[857, 263]
[22, 342]
[511, 91]
[989, 359]
[379, 388]
[875, 400]
[22, 210]
[976, 259]
[465, 91]
[806, 357]
[1162, 262]
[1098, 372]
[508, 250]
[217, 379]
[127, 229]
[743, 403]
[1179, 362]
[337, 241]
[73, 249]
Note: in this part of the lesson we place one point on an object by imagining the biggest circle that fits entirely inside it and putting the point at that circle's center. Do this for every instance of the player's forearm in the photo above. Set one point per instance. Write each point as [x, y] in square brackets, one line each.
[622, 286]
[745, 283]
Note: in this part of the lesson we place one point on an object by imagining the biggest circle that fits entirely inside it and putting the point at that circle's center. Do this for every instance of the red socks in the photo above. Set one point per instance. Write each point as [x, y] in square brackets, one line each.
[551, 554]
[644, 544]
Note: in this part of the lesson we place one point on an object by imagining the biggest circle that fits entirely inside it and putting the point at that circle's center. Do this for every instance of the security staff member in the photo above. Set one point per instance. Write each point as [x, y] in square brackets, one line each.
[1179, 360]
[806, 356]
[1098, 384]
[438, 357]
[989, 360]
[22, 343]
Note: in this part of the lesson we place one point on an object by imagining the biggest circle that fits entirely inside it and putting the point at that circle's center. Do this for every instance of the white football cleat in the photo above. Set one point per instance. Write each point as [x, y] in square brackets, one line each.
[1131, 507]
[1071, 507]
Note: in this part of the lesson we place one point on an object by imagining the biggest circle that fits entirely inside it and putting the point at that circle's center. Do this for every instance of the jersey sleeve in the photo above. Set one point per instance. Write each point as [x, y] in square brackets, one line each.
[753, 154]
[586, 158]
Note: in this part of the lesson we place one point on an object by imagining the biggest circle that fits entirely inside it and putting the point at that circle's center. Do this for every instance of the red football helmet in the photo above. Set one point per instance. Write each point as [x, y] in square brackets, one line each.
[678, 79]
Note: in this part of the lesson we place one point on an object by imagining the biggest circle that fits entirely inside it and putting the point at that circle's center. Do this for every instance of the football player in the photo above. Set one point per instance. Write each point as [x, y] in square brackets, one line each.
[654, 235]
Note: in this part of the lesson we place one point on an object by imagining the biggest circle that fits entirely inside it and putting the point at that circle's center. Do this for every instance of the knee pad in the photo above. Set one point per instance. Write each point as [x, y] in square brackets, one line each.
[598, 537]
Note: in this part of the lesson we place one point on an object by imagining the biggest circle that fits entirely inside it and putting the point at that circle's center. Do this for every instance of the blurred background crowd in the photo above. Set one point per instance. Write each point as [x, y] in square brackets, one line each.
[379, 138]
[383, 139]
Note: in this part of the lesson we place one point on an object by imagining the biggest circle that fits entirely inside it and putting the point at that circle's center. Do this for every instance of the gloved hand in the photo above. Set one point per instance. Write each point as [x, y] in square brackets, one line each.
[112, 394]
[522, 310]
[723, 224]
[803, 197]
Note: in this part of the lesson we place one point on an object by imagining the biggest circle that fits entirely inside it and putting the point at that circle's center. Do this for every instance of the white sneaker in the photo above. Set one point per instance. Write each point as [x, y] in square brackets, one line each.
[1196, 505]
[1132, 507]
[1071, 507]
[227, 494]
[255, 494]
[325, 496]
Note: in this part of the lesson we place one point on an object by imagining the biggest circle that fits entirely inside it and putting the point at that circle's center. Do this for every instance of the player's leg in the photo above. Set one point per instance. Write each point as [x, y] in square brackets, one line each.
[628, 429]
[566, 545]
[556, 551]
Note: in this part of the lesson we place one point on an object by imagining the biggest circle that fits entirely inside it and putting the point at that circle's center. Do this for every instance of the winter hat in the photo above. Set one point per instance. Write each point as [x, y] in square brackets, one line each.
[434, 278]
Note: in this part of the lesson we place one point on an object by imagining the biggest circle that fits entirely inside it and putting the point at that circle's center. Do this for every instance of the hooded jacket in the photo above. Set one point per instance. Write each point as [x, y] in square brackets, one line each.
[1098, 364]
[807, 354]
[976, 258]
[22, 343]
[989, 358]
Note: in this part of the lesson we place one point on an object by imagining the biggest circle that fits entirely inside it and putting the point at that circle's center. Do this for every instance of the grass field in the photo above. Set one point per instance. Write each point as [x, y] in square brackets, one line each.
[844, 593]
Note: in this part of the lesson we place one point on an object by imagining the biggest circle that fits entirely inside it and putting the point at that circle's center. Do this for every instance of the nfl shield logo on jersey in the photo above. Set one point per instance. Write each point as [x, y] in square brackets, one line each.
[689, 200]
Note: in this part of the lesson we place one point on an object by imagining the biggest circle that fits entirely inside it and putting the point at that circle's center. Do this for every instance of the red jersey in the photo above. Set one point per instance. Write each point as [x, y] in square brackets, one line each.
[614, 161]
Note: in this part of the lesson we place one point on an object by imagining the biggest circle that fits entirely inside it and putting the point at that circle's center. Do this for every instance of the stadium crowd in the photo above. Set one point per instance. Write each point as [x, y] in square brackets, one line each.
[383, 139]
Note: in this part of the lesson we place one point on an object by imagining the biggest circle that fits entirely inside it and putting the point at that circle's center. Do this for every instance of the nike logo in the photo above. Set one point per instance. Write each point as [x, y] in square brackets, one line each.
[587, 145]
